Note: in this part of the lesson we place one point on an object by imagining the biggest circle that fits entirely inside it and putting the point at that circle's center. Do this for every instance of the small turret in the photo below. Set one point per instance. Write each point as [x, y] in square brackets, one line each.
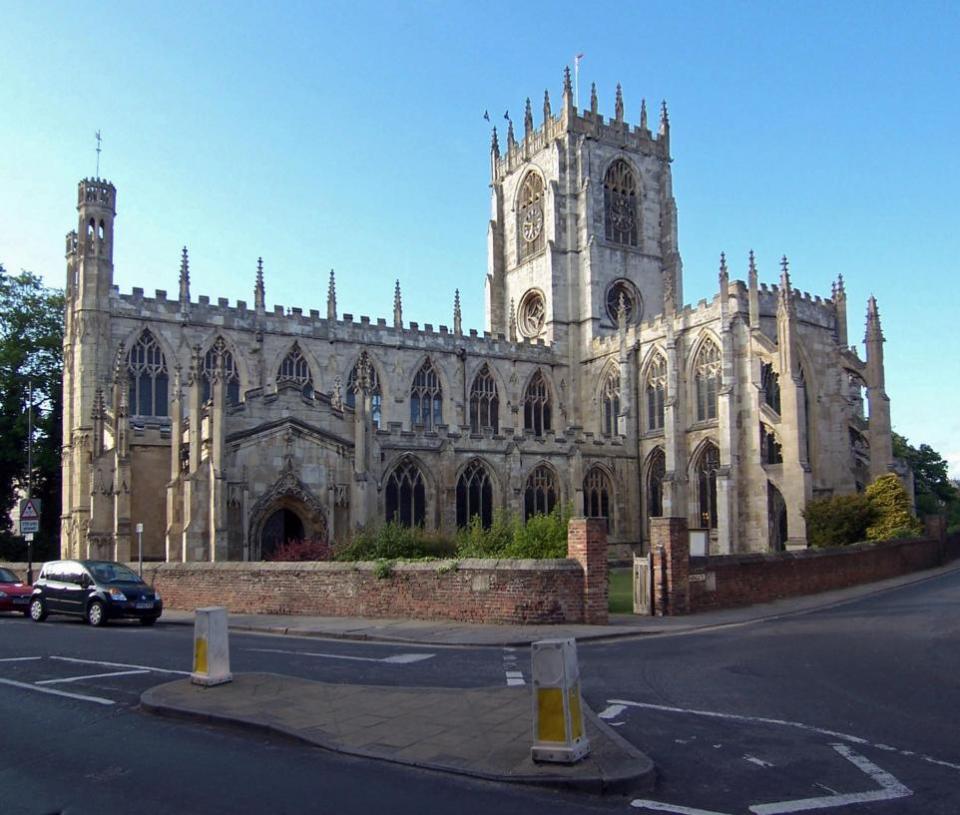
[547, 115]
[259, 295]
[527, 120]
[332, 298]
[594, 104]
[184, 284]
[643, 115]
[457, 317]
[618, 106]
[881, 440]
[665, 126]
[785, 301]
[753, 287]
[840, 304]
[724, 284]
[511, 141]
[397, 307]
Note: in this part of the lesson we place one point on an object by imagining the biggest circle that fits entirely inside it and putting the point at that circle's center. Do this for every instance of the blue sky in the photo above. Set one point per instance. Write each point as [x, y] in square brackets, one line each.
[350, 136]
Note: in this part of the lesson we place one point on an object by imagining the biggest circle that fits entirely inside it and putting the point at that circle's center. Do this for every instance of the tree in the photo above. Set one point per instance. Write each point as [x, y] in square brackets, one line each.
[891, 506]
[933, 491]
[31, 353]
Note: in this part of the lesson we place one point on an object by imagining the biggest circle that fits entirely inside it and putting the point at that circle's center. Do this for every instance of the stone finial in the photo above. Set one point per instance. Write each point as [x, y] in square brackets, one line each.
[618, 105]
[512, 327]
[724, 274]
[527, 119]
[184, 280]
[594, 104]
[495, 144]
[874, 332]
[98, 411]
[840, 291]
[567, 84]
[119, 364]
[457, 319]
[511, 141]
[622, 313]
[546, 107]
[332, 298]
[643, 114]
[397, 307]
[752, 271]
[336, 395]
[784, 273]
[664, 118]
[259, 295]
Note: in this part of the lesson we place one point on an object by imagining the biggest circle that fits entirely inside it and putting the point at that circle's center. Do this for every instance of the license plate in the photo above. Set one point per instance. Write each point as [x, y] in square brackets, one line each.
[144, 605]
[21, 601]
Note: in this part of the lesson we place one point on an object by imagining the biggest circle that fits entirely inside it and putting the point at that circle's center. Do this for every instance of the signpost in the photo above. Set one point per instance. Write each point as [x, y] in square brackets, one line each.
[140, 548]
[29, 524]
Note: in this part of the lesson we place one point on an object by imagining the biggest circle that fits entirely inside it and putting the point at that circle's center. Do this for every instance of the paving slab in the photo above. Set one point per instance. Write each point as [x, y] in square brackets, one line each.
[367, 721]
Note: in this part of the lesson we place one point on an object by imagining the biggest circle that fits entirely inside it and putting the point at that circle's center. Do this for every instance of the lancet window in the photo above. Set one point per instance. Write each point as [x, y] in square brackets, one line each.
[596, 495]
[656, 392]
[406, 495]
[620, 203]
[426, 398]
[484, 402]
[364, 376]
[530, 216]
[295, 369]
[220, 354]
[475, 495]
[707, 381]
[149, 379]
[656, 472]
[541, 493]
[770, 386]
[536, 405]
[707, 465]
[610, 400]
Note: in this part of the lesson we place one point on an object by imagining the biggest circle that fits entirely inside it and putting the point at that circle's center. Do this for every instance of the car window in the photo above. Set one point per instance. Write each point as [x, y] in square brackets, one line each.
[113, 573]
[6, 576]
[71, 574]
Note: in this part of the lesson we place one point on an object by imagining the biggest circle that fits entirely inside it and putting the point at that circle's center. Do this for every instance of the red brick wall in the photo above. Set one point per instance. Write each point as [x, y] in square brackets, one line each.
[587, 544]
[477, 591]
[670, 554]
[727, 581]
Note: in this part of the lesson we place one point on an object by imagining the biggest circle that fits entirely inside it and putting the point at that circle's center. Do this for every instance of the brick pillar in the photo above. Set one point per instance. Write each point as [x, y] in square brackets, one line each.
[587, 544]
[670, 553]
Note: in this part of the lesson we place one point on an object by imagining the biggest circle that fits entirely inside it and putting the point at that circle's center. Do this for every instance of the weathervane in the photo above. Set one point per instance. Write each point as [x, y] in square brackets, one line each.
[98, 153]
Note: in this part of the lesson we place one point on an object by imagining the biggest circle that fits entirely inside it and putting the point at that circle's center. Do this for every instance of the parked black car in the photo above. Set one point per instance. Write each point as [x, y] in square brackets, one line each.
[97, 590]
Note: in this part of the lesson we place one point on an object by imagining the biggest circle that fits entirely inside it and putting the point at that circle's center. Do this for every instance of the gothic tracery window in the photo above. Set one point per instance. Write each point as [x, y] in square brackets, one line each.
[149, 380]
[623, 291]
[532, 315]
[295, 369]
[530, 216]
[610, 400]
[484, 402]
[656, 392]
[363, 374]
[426, 397]
[770, 450]
[620, 203]
[770, 386]
[536, 405]
[707, 465]
[656, 472]
[541, 493]
[220, 354]
[596, 495]
[406, 495]
[474, 495]
[707, 380]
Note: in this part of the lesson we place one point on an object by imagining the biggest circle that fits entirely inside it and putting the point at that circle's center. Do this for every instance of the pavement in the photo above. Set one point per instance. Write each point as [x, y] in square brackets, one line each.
[484, 733]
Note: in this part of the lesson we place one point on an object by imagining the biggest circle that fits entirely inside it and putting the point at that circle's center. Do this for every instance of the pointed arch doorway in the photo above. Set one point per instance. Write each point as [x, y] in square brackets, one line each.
[288, 511]
[281, 526]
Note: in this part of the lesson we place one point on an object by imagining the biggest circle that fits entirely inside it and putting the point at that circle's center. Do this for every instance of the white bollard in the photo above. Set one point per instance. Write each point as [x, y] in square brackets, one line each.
[558, 731]
[211, 647]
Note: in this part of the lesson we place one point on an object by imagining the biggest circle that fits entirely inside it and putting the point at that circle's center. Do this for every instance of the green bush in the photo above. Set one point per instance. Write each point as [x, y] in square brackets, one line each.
[542, 536]
[838, 521]
[891, 508]
[392, 542]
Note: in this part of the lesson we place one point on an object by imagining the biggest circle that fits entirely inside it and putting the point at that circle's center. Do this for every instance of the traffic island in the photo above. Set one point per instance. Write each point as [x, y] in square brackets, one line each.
[480, 732]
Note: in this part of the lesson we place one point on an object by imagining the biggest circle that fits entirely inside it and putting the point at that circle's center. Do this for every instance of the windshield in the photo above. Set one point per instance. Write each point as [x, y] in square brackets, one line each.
[112, 573]
[6, 576]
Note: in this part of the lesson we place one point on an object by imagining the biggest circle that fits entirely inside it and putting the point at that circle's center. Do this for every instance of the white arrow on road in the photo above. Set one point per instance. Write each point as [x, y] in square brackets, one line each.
[396, 659]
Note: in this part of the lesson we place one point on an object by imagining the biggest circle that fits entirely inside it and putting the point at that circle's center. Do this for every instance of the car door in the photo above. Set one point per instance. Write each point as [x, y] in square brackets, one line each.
[73, 593]
[53, 586]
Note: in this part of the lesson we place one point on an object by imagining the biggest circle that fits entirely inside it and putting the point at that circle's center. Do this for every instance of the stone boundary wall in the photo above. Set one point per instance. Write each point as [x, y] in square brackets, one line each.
[727, 581]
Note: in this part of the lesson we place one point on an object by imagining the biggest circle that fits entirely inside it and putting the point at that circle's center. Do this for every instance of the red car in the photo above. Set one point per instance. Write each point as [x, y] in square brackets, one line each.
[14, 595]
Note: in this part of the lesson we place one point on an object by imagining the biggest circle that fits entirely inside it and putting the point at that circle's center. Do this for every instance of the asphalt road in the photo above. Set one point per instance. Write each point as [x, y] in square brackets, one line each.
[854, 708]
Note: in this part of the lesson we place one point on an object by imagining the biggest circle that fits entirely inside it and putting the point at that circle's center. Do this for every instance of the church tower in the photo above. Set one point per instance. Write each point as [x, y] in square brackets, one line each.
[89, 252]
[583, 218]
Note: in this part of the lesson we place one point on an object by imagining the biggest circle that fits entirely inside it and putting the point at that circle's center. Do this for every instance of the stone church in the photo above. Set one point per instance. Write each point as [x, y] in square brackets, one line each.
[227, 428]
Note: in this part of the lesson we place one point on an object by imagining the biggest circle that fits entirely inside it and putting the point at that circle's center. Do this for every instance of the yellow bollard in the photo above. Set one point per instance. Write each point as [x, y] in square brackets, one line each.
[558, 732]
[211, 647]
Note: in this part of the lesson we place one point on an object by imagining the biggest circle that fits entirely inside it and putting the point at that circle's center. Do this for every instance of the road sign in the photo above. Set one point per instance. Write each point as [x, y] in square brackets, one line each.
[29, 516]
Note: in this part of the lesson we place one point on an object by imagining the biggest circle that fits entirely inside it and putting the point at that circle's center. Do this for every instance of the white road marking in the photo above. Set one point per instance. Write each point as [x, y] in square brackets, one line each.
[90, 676]
[120, 665]
[397, 659]
[758, 761]
[513, 675]
[617, 724]
[612, 711]
[781, 722]
[53, 692]
[515, 678]
[890, 788]
[20, 659]
[658, 806]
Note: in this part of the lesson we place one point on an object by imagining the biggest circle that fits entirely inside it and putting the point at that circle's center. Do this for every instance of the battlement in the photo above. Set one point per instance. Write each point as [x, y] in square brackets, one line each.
[589, 122]
[97, 192]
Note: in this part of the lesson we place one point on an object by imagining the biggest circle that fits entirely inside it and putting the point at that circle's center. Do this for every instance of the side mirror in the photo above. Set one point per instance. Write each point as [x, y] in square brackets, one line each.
[86, 581]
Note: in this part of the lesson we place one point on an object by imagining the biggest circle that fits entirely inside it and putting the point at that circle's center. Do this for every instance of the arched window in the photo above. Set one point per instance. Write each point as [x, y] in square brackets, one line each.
[220, 353]
[656, 392]
[406, 495]
[620, 203]
[707, 466]
[536, 405]
[610, 400]
[426, 398]
[541, 493]
[770, 385]
[295, 369]
[484, 402]
[776, 519]
[364, 375]
[770, 450]
[147, 370]
[596, 495]
[656, 472]
[530, 216]
[475, 495]
[707, 379]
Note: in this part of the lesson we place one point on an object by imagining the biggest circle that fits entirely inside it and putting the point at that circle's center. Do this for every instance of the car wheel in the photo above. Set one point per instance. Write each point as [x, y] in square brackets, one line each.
[147, 620]
[37, 610]
[95, 613]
